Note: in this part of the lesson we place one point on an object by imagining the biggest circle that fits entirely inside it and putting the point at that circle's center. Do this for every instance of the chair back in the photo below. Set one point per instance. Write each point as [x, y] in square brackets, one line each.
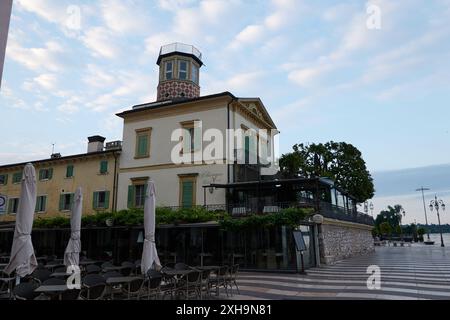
[92, 269]
[111, 274]
[193, 277]
[41, 275]
[54, 282]
[181, 266]
[60, 269]
[126, 272]
[93, 279]
[107, 264]
[222, 271]
[134, 286]
[25, 291]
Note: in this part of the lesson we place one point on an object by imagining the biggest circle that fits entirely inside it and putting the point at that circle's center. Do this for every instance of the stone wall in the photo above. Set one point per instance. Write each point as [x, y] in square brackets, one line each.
[340, 240]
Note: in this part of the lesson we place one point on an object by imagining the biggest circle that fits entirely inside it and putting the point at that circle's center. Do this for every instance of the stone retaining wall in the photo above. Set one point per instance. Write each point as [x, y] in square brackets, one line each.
[340, 240]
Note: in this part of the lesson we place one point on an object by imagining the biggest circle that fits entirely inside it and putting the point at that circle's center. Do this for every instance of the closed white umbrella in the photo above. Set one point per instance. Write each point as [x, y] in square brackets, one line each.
[72, 254]
[22, 258]
[149, 254]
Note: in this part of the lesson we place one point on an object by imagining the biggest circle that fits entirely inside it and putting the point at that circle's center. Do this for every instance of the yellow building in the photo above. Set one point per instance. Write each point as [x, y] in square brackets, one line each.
[58, 177]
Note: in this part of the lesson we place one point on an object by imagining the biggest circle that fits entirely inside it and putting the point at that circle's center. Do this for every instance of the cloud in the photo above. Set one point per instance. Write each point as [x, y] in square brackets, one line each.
[285, 12]
[125, 16]
[46, 58]
[100, 41]
[46, 81]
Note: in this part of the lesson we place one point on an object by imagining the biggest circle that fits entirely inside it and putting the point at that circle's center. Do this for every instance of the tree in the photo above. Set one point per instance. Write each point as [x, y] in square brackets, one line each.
[392, 215]
[339, 161]
[385, 229]
[420, 232]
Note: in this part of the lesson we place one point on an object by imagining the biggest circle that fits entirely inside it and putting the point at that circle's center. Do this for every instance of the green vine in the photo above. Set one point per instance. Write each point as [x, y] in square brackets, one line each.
[135, 217]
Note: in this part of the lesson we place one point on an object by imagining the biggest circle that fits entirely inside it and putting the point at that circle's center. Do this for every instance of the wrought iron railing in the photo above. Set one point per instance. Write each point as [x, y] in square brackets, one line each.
[326, 209]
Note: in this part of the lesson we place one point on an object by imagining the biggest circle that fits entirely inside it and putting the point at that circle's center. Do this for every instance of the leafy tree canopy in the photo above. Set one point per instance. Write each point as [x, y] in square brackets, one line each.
[339, 161]
[392, 215]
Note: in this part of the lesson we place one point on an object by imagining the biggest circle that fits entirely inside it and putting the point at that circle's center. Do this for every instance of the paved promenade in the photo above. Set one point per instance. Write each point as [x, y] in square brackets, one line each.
[417, 272]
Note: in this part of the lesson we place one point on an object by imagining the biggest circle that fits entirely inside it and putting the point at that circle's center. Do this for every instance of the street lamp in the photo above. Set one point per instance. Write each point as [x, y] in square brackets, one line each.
[436, 204]
[422, 189]
[371, 208]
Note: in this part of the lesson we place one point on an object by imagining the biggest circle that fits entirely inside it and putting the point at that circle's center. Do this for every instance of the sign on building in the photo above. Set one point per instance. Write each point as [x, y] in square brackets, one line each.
[3, 202]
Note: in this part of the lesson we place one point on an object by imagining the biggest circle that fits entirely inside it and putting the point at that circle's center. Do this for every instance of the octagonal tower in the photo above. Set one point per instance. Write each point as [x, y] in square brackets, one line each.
[179, 66]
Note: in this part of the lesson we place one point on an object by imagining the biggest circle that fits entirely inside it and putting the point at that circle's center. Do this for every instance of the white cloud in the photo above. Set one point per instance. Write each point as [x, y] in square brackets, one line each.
[125, 16]
[36, 59]
[285, 12]
[100, 41]
[47, 81]
[174, 5]
[250, 34]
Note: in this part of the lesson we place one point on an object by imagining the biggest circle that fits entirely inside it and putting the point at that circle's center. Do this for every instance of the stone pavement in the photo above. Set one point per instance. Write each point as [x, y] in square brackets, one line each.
[407, 273]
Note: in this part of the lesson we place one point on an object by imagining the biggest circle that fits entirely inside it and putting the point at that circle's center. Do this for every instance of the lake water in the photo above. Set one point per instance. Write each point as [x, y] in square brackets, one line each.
[436, 237]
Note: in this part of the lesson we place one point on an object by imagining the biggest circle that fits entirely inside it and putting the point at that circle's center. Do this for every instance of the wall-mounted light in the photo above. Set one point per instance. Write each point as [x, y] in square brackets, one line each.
[211, 190]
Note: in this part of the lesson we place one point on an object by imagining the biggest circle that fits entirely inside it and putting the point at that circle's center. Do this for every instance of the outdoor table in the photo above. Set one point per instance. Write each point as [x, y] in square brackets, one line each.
[60, 275]
[121, 280]
[59, 289]
[113, 268]
[10, 283]
[88, 262]
[207, 268]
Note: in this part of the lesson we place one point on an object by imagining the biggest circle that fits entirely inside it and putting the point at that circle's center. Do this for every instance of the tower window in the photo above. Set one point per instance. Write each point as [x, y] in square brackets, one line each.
[194, 73]
[169, 70]
[182, 69]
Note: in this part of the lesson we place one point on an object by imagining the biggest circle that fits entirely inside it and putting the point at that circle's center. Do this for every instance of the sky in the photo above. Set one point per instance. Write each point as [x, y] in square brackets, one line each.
[374, 74]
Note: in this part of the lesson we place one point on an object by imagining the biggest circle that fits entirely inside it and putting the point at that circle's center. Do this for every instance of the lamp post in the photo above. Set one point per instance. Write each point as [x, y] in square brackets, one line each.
[436, 204]
[371, 208]
[422, 189]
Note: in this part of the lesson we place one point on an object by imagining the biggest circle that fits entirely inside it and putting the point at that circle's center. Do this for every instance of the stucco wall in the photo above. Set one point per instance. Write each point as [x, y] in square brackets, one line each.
[340, 240]
[86, 175]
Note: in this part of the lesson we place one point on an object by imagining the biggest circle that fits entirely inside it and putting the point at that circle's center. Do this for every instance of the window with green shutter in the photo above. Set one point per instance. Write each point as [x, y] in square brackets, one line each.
[104, 167]
[69, 171]
[46, 174]
[3, 179]
[143, 143]
[41, 204]
[13, 205]
[66, 201]
[136, 195]
[17, 177]
[187, 191]
[100, 200]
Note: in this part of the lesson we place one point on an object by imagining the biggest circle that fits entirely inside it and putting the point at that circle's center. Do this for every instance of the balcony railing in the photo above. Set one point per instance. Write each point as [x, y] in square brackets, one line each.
[327, 210]
[180, 47]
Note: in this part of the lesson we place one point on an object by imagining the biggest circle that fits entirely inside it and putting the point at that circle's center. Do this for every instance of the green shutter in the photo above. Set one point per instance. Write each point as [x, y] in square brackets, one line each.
[41, 174]
[188, 193]
[69, 171]
[130, 197]
[44, 203]
[5, 179]
[247, 149]
[72, 197]
[197, 138]
[10, 205]
[106, 199]
[36, 207]
[186, 141]
[61, 202]
[95, 200]
[142, 145]
[104, 166]
[50, 173]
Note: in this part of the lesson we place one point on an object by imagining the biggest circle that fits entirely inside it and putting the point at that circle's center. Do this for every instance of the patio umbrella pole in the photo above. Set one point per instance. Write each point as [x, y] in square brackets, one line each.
[23, 259]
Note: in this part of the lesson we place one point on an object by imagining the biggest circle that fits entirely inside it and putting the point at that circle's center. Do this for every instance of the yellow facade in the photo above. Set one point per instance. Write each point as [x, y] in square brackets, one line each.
[86, 174]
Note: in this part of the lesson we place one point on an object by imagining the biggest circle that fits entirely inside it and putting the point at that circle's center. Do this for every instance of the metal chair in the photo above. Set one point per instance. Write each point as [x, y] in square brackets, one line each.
[189, 283]
[93, 269]
[25, 291]
[133, 289]
[220, 280]
[232, 278]
[93, 288]
[40, 275]
[181, 266]
[204, 283]
[152, 284]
